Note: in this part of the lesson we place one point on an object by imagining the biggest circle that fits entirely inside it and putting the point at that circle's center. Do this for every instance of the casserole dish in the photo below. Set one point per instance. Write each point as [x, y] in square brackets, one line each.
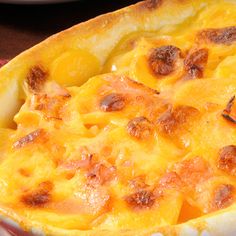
[124, 125]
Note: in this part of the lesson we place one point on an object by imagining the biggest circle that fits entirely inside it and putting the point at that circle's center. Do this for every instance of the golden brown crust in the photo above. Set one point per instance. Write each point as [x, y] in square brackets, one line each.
[150, 4]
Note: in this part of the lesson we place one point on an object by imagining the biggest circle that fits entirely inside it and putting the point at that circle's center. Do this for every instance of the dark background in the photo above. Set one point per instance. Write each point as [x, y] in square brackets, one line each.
[22, 26]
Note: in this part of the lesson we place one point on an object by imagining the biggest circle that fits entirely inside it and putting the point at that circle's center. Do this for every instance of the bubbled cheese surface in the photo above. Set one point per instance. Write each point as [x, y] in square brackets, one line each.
[147, 141]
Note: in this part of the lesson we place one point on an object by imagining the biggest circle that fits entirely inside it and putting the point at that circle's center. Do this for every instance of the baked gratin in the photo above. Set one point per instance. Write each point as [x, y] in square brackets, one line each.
[125, 124]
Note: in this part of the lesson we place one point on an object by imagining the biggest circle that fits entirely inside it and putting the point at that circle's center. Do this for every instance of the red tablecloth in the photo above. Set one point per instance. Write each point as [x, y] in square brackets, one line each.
[3, 62]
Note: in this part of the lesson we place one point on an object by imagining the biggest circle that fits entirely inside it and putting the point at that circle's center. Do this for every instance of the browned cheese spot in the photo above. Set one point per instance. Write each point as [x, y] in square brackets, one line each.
[195, 63]
[140, 128]
[36, 77]
[50, 106]
[227, 112]
[175, 118]
[112, 102]
[29, 138]
[141, 199]
[223, 196]
[227, 159]
[152, 4]
[39, 197]
[225, 35]
[162, 60]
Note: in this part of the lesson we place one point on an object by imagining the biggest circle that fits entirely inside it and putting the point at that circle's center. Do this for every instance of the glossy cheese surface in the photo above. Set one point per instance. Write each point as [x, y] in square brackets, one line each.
[146, 138]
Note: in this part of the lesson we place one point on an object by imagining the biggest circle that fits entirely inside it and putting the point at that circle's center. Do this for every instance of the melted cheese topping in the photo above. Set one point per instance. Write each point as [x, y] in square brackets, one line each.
[150, 141]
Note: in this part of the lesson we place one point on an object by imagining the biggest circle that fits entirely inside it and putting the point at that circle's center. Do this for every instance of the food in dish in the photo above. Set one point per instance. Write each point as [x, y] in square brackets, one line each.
[124, 124]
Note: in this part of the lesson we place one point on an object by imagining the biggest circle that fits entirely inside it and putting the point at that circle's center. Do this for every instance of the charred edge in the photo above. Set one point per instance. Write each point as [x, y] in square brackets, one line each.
[162, 60]
[141, 199]
[229, 118]
[227, 159]
[29, 138]
[140, 85]
[229, 105]
[223, 196]
[225, 35]
[112, 102]
[140, 128]
[226, 112]
[36, 77]
[195, 63]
